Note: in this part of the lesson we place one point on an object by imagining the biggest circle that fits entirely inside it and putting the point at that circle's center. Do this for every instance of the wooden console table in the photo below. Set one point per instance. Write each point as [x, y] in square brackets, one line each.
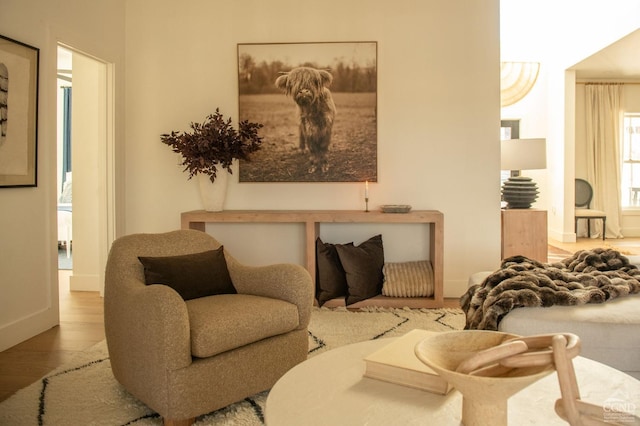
[312, 220]
[524, 232]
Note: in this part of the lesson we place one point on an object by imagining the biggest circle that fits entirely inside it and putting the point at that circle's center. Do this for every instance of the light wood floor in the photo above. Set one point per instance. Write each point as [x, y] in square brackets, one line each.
[82, 326]
[627, 246]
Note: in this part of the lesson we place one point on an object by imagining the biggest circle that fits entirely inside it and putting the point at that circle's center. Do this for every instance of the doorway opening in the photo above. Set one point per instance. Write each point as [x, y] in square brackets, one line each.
[85, 165]
[64, 164]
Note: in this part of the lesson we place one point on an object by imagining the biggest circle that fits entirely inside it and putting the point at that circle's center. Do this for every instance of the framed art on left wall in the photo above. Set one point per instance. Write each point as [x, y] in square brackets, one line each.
[18, 113]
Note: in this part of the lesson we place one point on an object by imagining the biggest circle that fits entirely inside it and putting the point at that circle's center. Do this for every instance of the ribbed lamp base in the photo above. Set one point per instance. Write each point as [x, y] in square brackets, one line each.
[519, 192]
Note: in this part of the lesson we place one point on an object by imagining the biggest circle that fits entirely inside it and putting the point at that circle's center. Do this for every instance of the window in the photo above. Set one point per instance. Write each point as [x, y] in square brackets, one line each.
[630, 177]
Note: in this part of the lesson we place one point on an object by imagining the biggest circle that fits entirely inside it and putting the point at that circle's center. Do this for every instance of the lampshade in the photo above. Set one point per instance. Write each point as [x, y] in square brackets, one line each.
[521, 154]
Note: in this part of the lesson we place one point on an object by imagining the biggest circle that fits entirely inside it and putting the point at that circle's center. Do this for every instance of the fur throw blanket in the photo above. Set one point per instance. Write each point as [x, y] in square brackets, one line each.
[589, 276]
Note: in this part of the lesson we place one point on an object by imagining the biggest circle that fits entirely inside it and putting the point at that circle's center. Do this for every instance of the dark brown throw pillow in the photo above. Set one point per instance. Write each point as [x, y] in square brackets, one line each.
[363, 267]
[331, 281]
[191, 275]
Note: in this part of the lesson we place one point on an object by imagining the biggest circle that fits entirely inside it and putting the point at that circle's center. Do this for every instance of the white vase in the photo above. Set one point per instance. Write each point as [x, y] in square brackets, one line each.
[214, 193]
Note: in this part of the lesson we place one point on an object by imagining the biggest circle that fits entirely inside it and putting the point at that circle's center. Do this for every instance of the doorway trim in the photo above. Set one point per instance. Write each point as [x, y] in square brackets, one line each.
[107, 166]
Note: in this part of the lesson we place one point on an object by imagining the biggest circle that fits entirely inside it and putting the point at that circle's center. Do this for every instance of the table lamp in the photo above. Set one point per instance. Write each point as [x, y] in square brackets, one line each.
[519, 192]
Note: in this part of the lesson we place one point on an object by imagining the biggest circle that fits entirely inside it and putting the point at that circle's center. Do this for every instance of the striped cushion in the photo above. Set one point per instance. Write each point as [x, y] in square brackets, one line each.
[408, 279]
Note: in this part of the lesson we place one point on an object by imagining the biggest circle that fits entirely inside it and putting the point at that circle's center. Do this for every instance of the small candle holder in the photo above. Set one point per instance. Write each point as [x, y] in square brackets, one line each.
[366, 196]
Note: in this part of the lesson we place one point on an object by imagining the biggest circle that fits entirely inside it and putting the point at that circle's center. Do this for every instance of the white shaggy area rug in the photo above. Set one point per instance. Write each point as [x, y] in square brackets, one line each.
[85, 392]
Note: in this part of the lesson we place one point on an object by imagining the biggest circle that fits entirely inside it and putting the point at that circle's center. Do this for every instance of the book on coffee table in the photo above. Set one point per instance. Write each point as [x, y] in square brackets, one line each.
[397, 363]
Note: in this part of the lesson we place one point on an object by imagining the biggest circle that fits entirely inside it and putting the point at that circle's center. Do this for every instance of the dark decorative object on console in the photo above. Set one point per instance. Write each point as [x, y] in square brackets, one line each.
[349, 271]
[331, 280]
[363, 267]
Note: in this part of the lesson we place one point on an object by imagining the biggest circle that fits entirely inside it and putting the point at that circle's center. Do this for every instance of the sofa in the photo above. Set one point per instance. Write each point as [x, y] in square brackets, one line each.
[609, 331]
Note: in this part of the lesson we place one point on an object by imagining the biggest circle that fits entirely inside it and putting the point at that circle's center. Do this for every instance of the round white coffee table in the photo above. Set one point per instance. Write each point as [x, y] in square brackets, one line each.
[329, 389]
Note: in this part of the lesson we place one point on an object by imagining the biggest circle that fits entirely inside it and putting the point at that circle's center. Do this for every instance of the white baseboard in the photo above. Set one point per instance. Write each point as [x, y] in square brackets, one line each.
[84, 282]
[631, 232]
[563, 237]
[27, 327]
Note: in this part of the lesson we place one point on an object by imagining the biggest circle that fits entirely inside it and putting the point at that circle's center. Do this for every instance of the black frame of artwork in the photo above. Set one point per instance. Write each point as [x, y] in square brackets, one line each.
[19, 67]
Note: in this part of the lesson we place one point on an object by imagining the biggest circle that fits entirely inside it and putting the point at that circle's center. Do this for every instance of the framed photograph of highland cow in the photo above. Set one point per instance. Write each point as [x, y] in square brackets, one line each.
[18, 113]
[318, 105]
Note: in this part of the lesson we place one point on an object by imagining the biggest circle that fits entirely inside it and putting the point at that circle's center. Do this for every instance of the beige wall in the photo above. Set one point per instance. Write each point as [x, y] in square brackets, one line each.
[28, 265]
[438, 119]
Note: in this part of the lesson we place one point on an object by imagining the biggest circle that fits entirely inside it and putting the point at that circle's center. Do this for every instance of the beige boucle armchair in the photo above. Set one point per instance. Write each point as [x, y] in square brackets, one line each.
[251, 338]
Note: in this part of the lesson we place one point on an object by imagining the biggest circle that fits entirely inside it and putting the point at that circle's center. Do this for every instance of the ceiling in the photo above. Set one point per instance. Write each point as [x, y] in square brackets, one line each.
[619, 61]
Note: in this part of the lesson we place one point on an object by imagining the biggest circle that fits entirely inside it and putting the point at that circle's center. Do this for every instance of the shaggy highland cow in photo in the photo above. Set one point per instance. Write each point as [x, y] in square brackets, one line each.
[317, 103]
[309, 89]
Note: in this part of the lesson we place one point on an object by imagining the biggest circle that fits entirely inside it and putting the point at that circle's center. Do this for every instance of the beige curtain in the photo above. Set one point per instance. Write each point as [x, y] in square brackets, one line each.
[603, 117]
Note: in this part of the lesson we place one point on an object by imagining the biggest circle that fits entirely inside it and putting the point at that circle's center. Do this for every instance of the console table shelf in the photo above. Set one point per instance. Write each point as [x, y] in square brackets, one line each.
[313, 218]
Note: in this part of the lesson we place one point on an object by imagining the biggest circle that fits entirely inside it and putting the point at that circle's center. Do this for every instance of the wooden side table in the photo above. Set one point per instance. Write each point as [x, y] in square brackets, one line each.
[524, 232]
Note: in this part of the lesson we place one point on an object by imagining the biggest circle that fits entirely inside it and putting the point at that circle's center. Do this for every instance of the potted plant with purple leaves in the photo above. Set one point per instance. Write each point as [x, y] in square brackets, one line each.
[209, 150]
